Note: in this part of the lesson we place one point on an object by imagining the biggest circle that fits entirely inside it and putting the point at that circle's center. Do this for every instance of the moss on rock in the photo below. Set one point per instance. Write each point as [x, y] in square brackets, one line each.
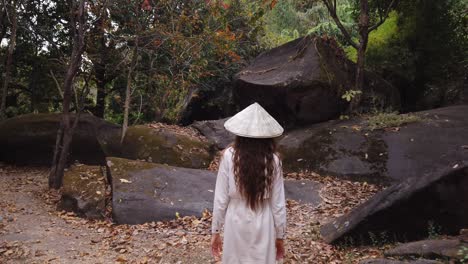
[84, 191]
[165, 147]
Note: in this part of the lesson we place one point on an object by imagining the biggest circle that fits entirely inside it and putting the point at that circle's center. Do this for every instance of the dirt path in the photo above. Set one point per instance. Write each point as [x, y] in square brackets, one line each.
[32, 231]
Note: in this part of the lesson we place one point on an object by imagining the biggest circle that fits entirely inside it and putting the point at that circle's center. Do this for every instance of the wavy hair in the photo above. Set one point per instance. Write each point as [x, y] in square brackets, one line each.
[254, 167]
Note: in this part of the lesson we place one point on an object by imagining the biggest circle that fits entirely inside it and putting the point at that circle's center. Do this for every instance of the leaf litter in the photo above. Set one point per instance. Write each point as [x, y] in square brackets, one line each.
[50, 236]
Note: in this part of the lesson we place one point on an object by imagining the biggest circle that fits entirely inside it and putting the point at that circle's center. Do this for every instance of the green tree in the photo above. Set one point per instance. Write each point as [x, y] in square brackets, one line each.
[371, 16]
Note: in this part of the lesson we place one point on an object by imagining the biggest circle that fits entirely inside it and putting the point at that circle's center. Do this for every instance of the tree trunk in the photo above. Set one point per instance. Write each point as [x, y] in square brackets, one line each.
[101, 82]
[363, 28]
[128, 90]
[65, 132]
[101, 63]
[9, 62]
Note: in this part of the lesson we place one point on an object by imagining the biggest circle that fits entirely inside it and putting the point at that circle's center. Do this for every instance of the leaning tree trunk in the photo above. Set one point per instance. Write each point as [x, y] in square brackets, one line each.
[363, 27]
[128, 90]
[65, 132]
[9, 62]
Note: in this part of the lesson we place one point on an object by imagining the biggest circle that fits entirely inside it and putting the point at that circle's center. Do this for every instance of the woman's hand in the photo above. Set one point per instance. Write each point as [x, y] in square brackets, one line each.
[279, 249]
[216, 246]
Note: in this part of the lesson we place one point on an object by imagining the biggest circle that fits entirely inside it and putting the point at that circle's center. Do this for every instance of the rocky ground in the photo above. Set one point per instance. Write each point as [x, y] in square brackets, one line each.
[32, 231]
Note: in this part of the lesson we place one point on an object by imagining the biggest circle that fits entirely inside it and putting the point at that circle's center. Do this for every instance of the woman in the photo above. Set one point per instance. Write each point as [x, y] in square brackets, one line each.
[249, 196]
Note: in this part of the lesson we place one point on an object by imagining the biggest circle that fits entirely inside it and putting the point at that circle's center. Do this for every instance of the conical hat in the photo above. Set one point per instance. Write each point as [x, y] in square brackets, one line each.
[254, 122]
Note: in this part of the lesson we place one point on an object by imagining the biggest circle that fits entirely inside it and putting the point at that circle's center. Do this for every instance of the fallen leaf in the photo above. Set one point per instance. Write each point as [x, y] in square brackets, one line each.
[125, 181]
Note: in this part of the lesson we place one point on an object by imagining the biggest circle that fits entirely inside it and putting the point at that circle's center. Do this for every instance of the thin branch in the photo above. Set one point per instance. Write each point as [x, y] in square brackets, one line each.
[56, 83]
[382, 18]
[337, 20]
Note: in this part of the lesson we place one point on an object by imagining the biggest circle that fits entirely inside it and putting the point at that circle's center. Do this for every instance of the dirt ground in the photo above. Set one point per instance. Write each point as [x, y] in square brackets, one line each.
[32, 231]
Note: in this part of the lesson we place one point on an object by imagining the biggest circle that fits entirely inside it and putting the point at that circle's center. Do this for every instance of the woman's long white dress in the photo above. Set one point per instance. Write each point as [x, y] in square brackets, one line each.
[249, 236]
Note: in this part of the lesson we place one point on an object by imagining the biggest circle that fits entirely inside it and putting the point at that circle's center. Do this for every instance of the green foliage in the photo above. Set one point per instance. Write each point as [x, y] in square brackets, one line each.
[290, 19]
[422, 49]
[463, 253]
[380, 41]
[386, 120]
[380, 239]
[350, 94]
[194, 47]
[433, 230]
[184, 47]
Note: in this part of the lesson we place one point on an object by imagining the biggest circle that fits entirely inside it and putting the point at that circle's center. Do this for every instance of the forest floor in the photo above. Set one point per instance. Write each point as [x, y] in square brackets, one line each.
[32, 231]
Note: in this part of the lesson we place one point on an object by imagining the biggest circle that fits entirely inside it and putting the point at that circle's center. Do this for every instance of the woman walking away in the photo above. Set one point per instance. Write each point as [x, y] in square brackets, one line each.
[249, 197]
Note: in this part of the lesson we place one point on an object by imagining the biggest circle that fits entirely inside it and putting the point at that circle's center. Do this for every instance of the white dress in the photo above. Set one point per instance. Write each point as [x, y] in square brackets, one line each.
[249, 236]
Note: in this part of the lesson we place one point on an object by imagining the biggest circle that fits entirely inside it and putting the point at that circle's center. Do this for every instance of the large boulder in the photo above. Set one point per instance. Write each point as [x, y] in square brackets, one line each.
[30, 139]
[160, 144]
[214, 131]
[145, 192]
[302, 81]
[406, 210]
[84, 191]
[350, 149]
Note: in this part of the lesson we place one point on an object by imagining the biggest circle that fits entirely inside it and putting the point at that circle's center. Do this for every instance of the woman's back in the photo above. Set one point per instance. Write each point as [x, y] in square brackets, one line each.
[249, 235]
[249, 197]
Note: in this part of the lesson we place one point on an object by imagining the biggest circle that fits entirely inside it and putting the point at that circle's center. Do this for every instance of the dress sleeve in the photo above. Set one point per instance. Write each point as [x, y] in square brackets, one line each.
[221, 197]
[278, 203]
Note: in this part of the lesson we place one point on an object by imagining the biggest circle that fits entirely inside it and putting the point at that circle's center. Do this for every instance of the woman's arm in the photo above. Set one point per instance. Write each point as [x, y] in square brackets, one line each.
[221, 201]
[278, 202]
[221, 197]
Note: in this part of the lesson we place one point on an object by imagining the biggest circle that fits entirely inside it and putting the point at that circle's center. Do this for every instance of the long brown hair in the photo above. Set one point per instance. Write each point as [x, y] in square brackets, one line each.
[254, 166]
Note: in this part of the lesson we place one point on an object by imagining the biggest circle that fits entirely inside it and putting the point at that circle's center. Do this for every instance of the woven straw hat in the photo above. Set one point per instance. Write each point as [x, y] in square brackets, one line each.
[254, 122]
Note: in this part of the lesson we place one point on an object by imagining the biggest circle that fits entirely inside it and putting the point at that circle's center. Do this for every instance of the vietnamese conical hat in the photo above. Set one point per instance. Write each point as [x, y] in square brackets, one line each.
[254, 122]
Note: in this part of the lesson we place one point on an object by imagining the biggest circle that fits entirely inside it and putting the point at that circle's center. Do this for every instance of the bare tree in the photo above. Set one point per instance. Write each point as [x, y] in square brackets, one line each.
[65, 132]
[128, 90]
[364, 29]
[130, 73]
[13, 17]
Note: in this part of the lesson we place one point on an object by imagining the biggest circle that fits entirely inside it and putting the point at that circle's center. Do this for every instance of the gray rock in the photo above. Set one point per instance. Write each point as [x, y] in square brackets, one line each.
[405, 209]
[214, 130]
[339, 148]
[429, 249]
[145, 192]
[302, 81]
[391, 261]
[346, 149]
[30, 139]
[304, 191]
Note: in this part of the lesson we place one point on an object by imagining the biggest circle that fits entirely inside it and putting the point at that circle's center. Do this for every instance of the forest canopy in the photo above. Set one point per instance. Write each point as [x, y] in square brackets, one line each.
[171, 52]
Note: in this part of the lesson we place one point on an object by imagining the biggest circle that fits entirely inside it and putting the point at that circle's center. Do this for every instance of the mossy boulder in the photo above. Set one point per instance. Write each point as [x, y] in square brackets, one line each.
[84, 191]
[164, 146]
[302, 82]
[30, 139]
[350, 148]
[144, 192]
